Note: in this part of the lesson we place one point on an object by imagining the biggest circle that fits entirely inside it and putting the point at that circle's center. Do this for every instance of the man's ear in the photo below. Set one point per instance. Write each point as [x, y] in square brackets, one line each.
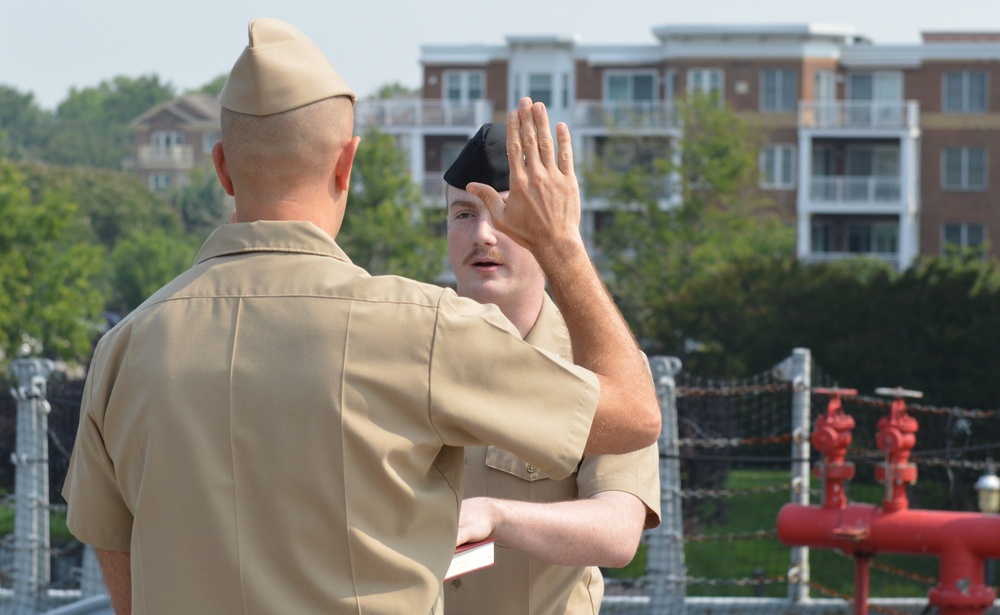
[221, 169]
[345, 164]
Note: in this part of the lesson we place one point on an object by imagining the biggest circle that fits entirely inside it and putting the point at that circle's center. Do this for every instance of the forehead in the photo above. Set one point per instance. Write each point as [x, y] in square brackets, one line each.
[457, 197]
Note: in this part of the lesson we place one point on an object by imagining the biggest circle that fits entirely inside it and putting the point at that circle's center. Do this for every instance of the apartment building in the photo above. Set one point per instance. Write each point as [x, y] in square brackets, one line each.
[871, 150]
[173, 138]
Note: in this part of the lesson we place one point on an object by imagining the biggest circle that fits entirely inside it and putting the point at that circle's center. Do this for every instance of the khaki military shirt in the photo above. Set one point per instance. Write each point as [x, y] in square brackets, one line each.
[276, 431]
[523, 585]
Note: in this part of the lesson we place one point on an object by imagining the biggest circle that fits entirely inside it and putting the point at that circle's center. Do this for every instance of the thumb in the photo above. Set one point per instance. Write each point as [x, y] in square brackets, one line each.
[490, 197]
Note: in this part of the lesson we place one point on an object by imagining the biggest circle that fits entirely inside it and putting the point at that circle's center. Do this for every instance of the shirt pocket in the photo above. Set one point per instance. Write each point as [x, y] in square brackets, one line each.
[509, 463]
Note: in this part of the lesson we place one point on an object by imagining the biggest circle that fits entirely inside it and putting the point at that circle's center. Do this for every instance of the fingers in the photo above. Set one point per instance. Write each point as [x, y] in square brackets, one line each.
[491, 198]
[529, 132]
[565, 149]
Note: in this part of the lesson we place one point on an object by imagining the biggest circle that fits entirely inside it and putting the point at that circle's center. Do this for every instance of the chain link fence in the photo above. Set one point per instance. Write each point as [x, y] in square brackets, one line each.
[732, 453]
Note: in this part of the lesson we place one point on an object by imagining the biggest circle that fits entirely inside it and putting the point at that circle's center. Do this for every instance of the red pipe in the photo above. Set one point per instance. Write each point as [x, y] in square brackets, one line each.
[961, 541]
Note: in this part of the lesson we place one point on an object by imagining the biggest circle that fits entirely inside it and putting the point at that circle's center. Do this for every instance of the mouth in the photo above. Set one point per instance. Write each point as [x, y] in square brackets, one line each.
[484, 261]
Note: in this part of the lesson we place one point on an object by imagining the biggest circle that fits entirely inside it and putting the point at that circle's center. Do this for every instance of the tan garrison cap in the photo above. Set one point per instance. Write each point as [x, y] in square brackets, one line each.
[280, 70]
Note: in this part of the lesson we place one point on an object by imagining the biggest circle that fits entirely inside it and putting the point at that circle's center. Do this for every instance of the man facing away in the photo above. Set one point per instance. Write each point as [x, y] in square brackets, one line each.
[276, 431]
[551, 534]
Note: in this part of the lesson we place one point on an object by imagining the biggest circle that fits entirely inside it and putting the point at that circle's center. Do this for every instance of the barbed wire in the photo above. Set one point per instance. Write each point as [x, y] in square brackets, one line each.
[849, 598]
[737, 581]
[894, 570]
[732, 390]
[732, 537]
[729, 493]
[885, 402]
[733, 442]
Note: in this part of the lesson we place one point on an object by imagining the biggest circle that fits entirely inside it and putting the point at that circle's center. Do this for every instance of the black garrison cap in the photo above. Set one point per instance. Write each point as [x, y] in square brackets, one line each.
[482, 160]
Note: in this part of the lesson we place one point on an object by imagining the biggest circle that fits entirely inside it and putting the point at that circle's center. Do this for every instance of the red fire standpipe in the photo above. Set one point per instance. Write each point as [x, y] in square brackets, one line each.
[863, 530]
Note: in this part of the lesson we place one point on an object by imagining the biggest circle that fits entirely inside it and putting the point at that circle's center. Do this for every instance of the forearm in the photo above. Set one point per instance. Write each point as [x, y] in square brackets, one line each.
[600, 531]
[628, 414]
[117, 569]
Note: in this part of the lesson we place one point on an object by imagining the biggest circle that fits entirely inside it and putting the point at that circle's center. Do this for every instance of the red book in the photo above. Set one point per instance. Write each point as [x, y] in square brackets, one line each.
[471, 556]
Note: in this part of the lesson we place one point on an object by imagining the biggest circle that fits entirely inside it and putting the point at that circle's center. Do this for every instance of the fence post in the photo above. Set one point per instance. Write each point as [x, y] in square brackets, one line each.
[797, 369]
[665, 563]
[31, 483]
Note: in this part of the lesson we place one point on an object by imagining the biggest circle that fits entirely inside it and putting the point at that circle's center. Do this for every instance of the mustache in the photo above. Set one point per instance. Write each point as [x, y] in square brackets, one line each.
[492, 254]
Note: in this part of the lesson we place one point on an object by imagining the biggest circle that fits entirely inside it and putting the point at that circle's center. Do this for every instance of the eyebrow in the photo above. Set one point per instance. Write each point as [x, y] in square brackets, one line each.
[461, 203]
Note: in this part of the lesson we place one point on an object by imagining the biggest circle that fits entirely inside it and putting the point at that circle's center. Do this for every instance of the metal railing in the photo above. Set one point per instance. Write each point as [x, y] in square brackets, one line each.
[619, 115]
[414, 113]
[855, 115]
[853, 190]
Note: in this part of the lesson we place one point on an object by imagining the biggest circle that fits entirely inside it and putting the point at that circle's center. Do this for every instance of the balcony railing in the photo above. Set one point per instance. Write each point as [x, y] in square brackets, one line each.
[881, 190]
[165, 157]
[890, 258]
[623, 115]
[855, 115]
[421, 113]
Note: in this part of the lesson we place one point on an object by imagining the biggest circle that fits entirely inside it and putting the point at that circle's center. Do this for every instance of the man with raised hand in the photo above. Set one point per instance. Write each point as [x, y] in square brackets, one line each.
[276, 431]
[551, 534]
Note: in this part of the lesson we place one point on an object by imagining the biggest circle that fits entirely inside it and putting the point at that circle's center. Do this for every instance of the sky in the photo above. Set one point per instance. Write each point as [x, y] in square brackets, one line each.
[49, 47]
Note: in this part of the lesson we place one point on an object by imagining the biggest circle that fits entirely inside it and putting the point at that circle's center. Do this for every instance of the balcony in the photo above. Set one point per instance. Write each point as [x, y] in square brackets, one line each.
[417, 113]
[849, 190]
[617, 115]
[171, 157]
[859, 115]
[889, 258]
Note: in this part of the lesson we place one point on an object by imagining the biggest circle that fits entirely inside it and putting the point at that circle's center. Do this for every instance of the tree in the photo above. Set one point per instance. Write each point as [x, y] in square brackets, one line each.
[110, 204]
[92, 123]
[201, 202]
[49, 277]
[396, 90]
[143, 262]
[24, 126]
[655, 248]
[386, 230]
[214, 87]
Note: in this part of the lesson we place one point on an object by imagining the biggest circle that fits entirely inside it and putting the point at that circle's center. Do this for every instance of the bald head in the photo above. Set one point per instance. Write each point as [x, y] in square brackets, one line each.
[296, 146]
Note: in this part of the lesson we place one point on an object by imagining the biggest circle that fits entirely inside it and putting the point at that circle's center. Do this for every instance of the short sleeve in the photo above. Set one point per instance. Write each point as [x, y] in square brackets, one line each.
[488, 386]
[97, 513]
[637, 473]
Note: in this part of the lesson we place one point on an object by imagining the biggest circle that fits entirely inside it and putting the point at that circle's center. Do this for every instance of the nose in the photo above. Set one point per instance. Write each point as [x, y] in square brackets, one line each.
[484, 233]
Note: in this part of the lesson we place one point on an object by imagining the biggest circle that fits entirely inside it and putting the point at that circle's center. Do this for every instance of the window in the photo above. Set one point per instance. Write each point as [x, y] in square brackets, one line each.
[777, 166]
[779, 90]
[964, 91]
[706, 81]
[630, 87]
[160, 181]
[166, 139]
[875, 237]
[464, 86]
[962, 236]
[565, 90]
[540, 88]
[964, 168]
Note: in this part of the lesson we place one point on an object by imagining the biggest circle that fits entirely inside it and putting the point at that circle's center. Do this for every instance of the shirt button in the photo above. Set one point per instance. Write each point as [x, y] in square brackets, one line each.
[456, 583]
[531, 469]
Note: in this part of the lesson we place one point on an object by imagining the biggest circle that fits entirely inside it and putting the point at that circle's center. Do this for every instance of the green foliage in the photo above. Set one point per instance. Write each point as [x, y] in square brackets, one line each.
[48, 274]
[934, 327]
[385, 229]
[396, 90]
[92, 123]
[201, 202]
[656, 249]
[111, 204]
[214, 87]
[143, 262]
[24, 127]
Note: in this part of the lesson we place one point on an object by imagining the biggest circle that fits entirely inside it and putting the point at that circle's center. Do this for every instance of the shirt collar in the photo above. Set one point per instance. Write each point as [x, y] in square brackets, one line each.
[549, 331]
[270, 236]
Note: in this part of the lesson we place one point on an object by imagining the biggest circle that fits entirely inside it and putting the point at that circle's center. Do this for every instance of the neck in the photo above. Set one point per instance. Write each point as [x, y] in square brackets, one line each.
[522, 313]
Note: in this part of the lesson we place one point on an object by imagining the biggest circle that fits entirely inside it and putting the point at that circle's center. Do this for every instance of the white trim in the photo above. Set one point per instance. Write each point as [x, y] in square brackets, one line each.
[755, 30]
